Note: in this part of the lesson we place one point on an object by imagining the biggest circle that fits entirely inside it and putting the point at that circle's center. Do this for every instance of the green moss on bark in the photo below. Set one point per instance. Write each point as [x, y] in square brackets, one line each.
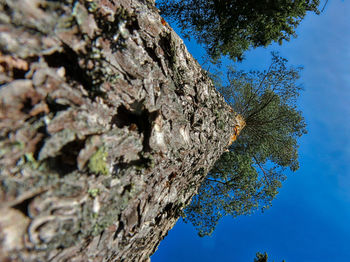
[97, 163]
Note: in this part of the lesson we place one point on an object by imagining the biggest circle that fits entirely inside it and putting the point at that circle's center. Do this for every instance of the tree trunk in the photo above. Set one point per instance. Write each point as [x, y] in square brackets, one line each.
[108, 126]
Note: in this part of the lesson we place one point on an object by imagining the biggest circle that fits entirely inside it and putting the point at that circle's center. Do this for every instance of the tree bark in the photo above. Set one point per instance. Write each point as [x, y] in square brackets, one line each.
[107, 128]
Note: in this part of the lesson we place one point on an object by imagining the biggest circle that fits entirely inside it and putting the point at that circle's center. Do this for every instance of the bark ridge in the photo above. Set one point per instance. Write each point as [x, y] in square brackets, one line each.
[107, 128]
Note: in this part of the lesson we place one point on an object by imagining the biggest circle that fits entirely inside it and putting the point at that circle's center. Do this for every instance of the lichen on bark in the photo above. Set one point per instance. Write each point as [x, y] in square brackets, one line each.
[99, 96]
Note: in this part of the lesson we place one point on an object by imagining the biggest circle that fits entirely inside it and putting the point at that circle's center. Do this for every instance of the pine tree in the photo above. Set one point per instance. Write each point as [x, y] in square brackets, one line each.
[231, 27]
[261, 257]
[248, 177]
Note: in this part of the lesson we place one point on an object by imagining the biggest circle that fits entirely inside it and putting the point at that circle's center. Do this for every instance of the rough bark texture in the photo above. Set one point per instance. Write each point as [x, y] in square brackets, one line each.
[108, 126]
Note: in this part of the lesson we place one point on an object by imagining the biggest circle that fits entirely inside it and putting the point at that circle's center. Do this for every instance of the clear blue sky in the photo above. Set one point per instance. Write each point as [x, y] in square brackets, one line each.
[310, 219]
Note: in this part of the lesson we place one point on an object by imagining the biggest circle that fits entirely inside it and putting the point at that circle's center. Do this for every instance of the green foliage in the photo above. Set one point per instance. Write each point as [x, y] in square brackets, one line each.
[262, 257]
[230, 27]
[248, 177]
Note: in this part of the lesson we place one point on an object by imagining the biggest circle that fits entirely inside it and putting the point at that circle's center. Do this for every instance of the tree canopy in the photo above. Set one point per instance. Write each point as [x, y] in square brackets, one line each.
[229, 27]
[262, 257]
[248, 177]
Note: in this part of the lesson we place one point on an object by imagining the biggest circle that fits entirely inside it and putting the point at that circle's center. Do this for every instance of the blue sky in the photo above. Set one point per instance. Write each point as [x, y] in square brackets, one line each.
[309, 220]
